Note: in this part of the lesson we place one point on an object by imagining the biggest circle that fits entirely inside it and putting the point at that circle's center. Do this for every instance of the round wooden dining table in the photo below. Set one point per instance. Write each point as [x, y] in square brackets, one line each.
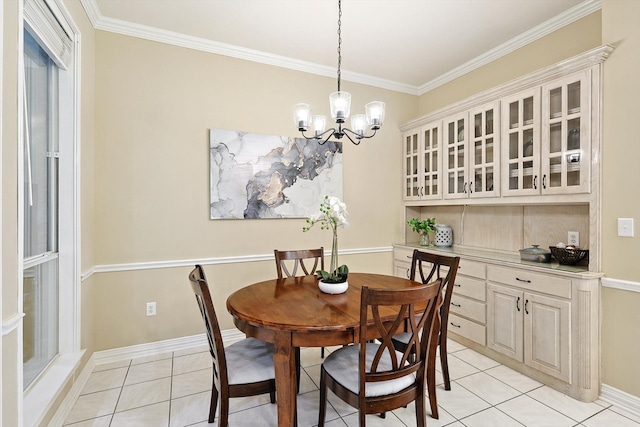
[293, 312]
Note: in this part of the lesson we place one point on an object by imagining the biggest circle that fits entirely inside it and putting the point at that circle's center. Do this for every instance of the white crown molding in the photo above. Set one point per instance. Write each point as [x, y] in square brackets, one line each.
[576, 63]
[152, 265]
[577, 12]
[625, 285]
[101, 22]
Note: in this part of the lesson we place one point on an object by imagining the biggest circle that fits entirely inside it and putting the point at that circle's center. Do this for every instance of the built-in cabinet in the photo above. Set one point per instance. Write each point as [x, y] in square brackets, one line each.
[516, 150]
[531, 137]
[530, 327]
[540, 321]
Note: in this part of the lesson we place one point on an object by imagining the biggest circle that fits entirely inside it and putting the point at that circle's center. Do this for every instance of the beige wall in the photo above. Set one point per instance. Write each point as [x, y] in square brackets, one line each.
[620, 151]
[155, 104]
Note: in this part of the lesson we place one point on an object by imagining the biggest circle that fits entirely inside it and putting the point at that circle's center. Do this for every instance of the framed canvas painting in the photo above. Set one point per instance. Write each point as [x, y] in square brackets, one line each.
[263, 176]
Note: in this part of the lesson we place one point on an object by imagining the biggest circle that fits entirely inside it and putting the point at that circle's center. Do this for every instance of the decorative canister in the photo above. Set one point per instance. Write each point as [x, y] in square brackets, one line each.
[444, 235]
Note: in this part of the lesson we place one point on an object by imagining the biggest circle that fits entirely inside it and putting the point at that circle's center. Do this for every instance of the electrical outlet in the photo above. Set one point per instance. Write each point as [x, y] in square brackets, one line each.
[151, 309]
[573, 238]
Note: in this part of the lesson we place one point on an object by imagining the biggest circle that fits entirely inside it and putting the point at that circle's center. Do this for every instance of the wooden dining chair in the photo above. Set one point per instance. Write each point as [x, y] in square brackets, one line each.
[374, 377]
[245, 368]
[288, 262]
[427, 266]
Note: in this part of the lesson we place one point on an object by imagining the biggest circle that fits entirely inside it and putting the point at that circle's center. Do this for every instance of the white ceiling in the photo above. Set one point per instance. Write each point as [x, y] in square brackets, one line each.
[407, 45]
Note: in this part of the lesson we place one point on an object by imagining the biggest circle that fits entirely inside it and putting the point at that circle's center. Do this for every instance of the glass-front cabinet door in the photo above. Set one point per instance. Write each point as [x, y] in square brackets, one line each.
[566, 137]
[484, 158]
[422, 157]
[432, 141]
[455, 163]
[521, 143]
[411, 156]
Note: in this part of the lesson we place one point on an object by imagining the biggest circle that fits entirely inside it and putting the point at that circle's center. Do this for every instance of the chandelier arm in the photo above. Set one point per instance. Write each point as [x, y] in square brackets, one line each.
[347, 131]
[328, 132]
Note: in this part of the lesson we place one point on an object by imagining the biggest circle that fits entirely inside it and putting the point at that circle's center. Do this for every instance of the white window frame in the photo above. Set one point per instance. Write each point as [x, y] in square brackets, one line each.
[38, 398]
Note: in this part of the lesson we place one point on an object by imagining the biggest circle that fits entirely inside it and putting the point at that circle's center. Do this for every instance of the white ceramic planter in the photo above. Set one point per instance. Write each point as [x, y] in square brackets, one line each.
[333, 288]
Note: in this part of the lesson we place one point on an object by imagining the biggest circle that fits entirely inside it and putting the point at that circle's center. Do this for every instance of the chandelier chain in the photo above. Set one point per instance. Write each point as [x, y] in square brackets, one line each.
[339, 40]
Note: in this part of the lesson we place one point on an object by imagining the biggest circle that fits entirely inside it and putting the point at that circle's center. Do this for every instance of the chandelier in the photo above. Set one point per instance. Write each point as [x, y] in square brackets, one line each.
[340, 105]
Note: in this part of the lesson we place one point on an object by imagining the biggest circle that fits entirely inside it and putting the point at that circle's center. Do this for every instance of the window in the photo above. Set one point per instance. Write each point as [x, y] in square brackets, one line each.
[40, 242]
[49, 205]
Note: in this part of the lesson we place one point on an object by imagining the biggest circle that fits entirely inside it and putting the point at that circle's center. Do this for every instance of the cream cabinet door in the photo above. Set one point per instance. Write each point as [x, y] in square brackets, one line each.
[483, 161]
[566, 135]
[456, 135]
[504, 326]
[547, 335]
[521, 144]
[411, 146]
[422, 163]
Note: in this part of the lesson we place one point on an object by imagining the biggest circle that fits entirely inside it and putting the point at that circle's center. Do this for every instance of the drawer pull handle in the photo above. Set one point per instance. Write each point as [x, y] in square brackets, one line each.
[455, 305]
[523, 280]
[409, 257]
[518, 304]
[454, 325]
[457, 285]
[526, 302]
[408, 273]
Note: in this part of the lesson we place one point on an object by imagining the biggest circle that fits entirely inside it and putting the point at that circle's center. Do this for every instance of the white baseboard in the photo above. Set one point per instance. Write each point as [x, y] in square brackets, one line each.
[72, 396]
[123, 353]
[620, 399]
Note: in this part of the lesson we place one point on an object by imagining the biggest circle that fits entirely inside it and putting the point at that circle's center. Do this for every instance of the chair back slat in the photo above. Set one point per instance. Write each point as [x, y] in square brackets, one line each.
[422, 261]
[390, 311]
[203, 297]
[302, 259]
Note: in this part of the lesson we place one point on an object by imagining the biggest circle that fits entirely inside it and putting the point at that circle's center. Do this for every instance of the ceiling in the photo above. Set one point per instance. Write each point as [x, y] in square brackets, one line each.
[410, 46]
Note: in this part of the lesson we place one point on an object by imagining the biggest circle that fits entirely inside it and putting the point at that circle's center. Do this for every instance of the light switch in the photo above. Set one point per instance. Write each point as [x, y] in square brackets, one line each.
[625, 227]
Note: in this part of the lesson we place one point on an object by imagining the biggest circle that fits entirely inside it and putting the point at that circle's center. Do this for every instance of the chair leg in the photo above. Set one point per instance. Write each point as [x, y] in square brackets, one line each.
[297, 356]
[214, 403]
[223, 421]
[323, 399]
[431, 388]
[444, 361]
[421, 411]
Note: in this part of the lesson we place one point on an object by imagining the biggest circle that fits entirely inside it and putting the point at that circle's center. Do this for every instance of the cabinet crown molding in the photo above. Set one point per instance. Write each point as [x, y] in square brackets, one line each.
[579, 62]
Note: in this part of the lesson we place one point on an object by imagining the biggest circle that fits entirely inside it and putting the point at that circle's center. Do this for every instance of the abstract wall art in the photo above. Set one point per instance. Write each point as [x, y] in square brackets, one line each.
[263, 176]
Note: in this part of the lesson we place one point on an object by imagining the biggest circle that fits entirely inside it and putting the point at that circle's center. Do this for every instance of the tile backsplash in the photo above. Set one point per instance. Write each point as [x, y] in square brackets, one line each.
[508, 228]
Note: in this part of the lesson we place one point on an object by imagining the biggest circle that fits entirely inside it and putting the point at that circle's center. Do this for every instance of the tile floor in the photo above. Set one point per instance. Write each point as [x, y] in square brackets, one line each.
[173, 390]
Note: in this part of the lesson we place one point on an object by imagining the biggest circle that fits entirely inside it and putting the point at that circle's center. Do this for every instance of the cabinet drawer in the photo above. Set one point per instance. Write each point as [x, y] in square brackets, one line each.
[403, 254]
[472, 268]
[467, 329]
[401, 269]
[474, 310]
[472, 288]
[524, 279]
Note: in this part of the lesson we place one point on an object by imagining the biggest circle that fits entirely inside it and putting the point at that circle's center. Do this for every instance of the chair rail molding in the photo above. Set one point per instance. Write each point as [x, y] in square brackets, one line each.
[152, 265]
[625, 285]
[11, 323]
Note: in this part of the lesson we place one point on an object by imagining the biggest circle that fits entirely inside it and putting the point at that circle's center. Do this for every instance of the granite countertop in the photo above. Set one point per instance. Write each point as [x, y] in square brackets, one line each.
[502, 257]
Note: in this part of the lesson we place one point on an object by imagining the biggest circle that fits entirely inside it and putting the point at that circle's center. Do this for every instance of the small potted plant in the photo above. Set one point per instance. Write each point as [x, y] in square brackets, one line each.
[333, 214]
[423, 227]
